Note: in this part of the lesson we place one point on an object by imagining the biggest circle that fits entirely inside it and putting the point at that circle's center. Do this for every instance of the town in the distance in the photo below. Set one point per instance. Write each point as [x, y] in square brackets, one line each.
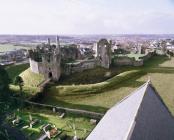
[93, 87]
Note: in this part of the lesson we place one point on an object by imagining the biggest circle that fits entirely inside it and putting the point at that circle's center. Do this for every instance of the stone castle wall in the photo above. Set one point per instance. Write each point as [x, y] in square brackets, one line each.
[45, 59]
[70, 68]
[35, 66]
[127, 61]
[123, 61]
[39, 67]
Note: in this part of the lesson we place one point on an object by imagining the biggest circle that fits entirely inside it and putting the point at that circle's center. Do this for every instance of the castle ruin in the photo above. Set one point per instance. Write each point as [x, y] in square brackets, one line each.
[47, 59]
[103, 53]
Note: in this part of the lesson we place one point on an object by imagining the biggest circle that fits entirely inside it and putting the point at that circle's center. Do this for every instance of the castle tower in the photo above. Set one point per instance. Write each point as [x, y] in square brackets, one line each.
[51, 61]
[139, 48]
[104, 53]
[46, 60]
[48, 41]
[57, 41]
[57, 60]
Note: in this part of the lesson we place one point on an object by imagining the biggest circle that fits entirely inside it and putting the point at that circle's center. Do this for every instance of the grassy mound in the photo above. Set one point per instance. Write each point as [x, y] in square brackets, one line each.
[93, 88]
[15, 70]
[90, 76]
[31, 79]
[159, 68]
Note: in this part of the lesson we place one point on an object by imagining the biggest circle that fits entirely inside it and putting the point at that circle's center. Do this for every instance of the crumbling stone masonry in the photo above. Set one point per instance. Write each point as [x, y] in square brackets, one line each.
[47, 59]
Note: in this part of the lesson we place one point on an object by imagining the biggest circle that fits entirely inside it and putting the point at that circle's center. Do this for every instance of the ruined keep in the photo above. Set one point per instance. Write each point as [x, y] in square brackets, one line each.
[102, 57]
[103, 53]
[45, 59]
[49, 59]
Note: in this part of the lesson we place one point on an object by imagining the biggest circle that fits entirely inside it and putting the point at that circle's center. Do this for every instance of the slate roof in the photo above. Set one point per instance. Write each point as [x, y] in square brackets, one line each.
[140, 116]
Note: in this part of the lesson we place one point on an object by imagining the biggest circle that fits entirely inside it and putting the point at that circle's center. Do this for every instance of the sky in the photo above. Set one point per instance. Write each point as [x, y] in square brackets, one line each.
[86, 16]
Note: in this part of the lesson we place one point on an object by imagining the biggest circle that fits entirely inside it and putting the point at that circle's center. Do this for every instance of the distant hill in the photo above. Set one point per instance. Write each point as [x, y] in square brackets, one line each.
[78, 38]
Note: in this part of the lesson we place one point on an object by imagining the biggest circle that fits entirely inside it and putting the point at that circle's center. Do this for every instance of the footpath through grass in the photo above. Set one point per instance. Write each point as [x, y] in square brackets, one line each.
[159, 68]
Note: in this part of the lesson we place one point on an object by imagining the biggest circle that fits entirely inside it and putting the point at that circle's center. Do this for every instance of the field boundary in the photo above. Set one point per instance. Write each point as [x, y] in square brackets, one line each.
[80, 112]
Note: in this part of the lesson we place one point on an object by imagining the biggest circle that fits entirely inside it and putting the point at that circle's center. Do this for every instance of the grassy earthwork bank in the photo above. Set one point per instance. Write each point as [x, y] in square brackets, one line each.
[114, 85]
[15, 70]
[85, 94]
[31, 80]
[101, 96]
[91, 76]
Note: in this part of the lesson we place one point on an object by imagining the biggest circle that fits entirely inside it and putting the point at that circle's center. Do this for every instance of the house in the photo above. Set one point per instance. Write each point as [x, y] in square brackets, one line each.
[140, 116]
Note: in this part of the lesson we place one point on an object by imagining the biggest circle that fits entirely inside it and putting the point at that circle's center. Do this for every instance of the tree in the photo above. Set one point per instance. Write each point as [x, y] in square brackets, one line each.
[4, 82]
[19, 81]
[4, 79]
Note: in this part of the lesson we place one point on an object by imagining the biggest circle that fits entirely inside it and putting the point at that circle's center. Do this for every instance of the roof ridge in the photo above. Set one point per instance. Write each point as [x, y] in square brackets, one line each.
[130, 131]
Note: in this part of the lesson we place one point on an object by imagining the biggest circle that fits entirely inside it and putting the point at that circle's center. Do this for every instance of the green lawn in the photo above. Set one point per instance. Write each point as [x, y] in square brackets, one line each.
[83, 125]
[10, 47]
[159, 68]
[131, 55]
[63, 90]
[98, 97]
[31, 79]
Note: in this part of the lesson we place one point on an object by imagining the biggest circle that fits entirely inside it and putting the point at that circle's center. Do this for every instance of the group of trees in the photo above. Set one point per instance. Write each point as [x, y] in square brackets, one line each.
[5, 102]
[4, 82]
[19, 81]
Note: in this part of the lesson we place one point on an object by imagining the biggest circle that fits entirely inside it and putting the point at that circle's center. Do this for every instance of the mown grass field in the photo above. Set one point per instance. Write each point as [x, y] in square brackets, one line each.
[95, 97]
[10, 47]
